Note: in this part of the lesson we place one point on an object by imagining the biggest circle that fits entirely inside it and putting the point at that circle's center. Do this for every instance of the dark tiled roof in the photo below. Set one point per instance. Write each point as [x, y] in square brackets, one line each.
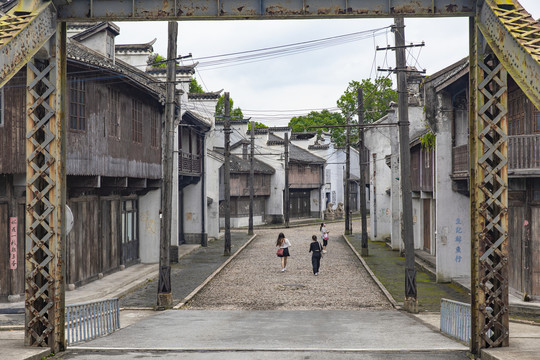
[233, 121]
[96, 29]
[188, 70]
[302, 135]
[205, 96]
[296, 153]
[240, 143]
[136, 47]
[79, 53]
[319, 147]
[241, 165]
[197, 119]
[448, 72]
[279, 129]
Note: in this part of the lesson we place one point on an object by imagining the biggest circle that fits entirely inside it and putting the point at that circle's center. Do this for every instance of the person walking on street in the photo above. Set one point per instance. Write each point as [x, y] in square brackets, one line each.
[283, 251]
[324, 236]
[316, 249]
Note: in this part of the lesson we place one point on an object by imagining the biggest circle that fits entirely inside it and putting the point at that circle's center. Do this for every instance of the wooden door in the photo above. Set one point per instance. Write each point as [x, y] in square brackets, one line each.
[427, 224]
[516, 217]
[535, 247]
[130, 235]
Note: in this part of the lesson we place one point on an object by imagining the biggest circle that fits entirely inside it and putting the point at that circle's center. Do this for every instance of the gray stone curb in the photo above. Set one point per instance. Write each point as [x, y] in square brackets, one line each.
[373, 277]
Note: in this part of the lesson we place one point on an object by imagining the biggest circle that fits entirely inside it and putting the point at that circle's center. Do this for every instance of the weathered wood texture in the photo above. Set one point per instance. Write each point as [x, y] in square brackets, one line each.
[13, 130]
[516, 216]
[302, 176]
[189, 156]
[11, 281]
[460, 160]
[535, 247]
[94, 245]
[240, 185]
[421, 169]
[98, 149]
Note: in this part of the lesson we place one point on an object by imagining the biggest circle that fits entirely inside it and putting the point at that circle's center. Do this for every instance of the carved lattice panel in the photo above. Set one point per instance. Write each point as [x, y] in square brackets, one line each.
[490, 208]
[43, 276]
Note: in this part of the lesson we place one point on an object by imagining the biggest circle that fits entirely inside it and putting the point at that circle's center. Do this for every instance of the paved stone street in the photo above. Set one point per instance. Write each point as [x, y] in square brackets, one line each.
[189, 273]
[251, 310]
[254, 281]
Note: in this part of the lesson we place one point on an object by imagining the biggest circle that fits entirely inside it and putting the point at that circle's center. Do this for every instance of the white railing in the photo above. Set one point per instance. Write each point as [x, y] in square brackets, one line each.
[456, 319]
[90, 320]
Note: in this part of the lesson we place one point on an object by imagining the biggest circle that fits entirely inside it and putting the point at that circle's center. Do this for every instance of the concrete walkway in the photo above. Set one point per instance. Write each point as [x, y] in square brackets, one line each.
[229, 334]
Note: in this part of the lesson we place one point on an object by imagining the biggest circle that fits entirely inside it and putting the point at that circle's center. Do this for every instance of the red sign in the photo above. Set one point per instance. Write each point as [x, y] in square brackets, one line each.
[12, 243]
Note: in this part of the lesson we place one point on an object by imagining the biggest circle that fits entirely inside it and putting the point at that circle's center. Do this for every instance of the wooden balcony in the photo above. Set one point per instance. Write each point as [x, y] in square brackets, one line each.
[524, 154]
[189, 164]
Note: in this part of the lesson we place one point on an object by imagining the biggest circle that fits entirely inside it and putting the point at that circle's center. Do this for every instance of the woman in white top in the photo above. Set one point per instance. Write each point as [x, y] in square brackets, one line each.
[324, 236]
[283, 243]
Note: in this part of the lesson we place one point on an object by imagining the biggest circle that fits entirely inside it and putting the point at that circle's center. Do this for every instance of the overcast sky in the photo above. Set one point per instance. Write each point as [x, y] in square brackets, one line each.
[274, 90]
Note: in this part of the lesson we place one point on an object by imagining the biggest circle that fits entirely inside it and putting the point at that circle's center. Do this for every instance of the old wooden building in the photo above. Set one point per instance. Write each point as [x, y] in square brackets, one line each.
[239, 185]
[306, 179]
[448, 115]
[113, 164]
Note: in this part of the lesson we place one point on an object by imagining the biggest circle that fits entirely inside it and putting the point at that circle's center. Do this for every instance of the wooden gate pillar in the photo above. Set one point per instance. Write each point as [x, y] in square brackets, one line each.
[489, 195]
[45, 195]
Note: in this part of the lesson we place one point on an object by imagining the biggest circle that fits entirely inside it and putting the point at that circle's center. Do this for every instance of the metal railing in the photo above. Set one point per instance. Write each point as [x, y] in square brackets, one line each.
[87, 321]
[456, 319]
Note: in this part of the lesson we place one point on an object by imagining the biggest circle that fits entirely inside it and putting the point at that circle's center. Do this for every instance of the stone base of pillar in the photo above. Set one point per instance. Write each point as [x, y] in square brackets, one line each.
[411, 305]
[165, 300]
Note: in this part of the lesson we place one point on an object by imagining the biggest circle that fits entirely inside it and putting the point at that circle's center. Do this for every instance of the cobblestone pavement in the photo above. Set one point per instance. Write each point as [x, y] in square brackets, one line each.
[254, 281]
[189, 273]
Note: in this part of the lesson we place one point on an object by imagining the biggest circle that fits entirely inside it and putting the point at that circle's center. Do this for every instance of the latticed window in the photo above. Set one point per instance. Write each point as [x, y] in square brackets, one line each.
[114, 118]
[154, 129]
[136, 123]
[536, 120]
[77, 104]
[516, 113]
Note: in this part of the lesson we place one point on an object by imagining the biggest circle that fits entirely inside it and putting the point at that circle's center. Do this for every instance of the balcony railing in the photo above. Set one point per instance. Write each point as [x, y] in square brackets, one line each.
[189, 163]
[523, 152]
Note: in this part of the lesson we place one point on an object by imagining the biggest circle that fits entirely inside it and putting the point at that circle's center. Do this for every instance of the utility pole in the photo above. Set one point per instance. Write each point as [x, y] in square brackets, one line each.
[164, 285]
[251, 175]
[362, 160]
[347, 175]
[287, 200]
[227, 174]
[411, 300]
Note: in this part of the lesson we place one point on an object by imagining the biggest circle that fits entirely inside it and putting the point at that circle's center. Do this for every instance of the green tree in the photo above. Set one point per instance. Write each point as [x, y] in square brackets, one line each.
[158, 61]
[315, 118]
[258, 125]
[377, 97]
[194, 87]
[235, 113]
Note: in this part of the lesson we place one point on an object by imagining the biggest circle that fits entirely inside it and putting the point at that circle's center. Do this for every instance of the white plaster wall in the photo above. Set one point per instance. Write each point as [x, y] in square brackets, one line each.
[97, 42]
[453, 257]
[212, 165]
[193, 211]
[417, 222]
[137, 59]
[378, 141]
[149, 226]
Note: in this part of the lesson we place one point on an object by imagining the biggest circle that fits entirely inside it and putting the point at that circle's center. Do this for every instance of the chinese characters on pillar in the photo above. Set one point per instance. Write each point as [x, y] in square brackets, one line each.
[13, 243]
[459, 232]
